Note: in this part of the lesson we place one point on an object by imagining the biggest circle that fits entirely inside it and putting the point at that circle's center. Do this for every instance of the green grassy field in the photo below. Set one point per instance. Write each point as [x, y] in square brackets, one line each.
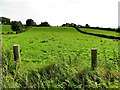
[104, 32]
[6, 28]
[60, 57]
[39, 43]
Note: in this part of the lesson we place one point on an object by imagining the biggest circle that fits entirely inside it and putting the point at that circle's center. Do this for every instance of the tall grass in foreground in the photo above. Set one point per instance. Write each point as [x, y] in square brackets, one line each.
[65, 72]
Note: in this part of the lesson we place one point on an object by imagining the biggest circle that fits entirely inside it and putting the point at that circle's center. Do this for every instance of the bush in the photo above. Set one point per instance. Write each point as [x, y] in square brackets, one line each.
[30, 22]
[16, 26]
[44, 24]
[87, 25]
[11, 32]
[4, 20]
[8, 32]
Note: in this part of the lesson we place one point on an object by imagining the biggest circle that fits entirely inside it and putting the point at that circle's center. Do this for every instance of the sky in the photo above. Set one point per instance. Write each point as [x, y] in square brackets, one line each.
[102, 13]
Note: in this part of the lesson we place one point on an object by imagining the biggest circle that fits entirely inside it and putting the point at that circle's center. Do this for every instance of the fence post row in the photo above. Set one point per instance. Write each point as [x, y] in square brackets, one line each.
[16, 51]
[94, 58]
[17, 58]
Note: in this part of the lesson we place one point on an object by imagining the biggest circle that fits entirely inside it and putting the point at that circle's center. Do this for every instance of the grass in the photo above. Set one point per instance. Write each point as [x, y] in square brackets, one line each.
[103, 32]
[39, 43]
[59, 73]
[6, 28]
[59, 57]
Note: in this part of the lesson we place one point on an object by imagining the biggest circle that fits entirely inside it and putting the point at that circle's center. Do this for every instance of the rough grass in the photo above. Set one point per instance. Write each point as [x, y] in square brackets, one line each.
[59, 57]
[56, 74]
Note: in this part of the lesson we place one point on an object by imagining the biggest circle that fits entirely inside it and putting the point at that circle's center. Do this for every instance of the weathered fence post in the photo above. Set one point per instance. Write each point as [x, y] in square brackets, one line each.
[16, 51]
[94, 58]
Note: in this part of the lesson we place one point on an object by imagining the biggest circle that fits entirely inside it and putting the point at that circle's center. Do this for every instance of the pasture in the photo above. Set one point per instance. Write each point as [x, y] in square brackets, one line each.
[103, 32]
[6, 28]
[60, 57]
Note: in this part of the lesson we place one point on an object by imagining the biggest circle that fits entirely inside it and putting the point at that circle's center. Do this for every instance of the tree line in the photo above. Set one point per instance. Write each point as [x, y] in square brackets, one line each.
[90, 27]
[4, 20]
[17, 26]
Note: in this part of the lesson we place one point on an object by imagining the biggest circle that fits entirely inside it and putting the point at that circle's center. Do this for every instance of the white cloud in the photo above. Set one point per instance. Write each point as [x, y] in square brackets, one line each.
[94, 12]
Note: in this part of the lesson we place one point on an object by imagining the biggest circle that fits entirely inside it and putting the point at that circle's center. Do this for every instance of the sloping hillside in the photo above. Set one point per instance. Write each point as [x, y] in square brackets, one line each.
[59, 57]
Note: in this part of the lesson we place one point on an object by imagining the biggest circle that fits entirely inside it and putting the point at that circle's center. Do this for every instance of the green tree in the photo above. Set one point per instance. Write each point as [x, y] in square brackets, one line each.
[87, 25]
[4, 20]
[44, 24]
[30, 22]
[17, 26]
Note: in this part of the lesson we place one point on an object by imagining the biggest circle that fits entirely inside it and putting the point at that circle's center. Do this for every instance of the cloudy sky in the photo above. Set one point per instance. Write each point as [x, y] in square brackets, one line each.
[103, 13]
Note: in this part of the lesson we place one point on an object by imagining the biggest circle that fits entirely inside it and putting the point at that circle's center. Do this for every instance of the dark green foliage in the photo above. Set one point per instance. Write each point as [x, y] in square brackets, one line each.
[4, 20]
[87, 25]
[8, 32]
[17, 26]
[44, 24]
[30, 22]
[2, 32]
[69, 25]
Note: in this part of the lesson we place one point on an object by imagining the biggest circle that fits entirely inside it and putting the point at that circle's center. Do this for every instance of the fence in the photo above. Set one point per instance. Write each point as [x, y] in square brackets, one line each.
[17, 57]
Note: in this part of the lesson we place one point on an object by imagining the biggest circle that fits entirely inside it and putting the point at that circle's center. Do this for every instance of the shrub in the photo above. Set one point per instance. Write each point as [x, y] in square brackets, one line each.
[8, 32]
[44, 24]
[16, 26]
[11, 32]
[30, 22]
[4, 20]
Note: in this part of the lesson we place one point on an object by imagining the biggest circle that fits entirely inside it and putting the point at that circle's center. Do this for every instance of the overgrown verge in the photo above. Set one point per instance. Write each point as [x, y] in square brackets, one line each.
[60, 74]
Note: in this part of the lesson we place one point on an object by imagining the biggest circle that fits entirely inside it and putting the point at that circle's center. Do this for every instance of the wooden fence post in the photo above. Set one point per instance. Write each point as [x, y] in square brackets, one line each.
[94, 58]
[16, 51]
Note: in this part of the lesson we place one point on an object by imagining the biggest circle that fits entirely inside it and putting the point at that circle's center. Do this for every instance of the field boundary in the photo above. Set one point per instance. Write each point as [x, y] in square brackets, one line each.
[99, 35]
[103, 29]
